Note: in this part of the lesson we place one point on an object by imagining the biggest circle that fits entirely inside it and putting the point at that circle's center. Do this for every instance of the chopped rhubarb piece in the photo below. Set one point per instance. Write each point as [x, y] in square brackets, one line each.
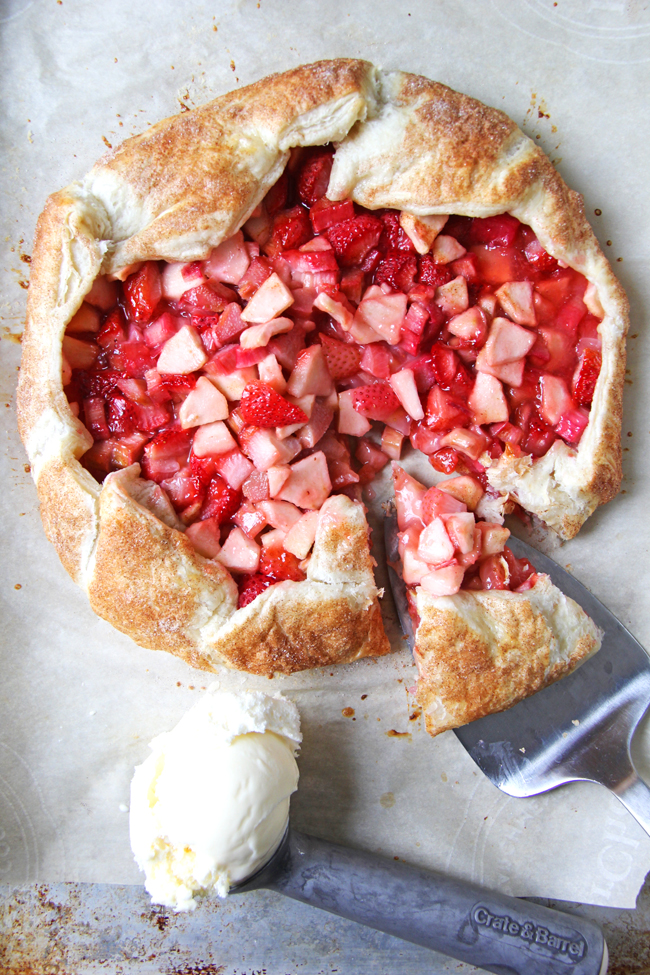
[87, 319]
[352, 281]
[259, 336]
[127, 450]
[538, 257]
[263, 407]
[376, 359]
[309, 483]
[465, 489]
[368, 453]
[507, 433]
[251, 586]
[516, 299]
[353, 239]
[287, 348]
[350, 421]
[255, 488]
[183, 353]
[572, 425]
[403, 384]
[234, 468]
[327, 213]
[162, 329]
[486, 401]
[436, 503]
[142, 292]
[270, 300]
[445, 581]
[555, 398]
[205, 536]
[375, 402]
[422, 231]
[79, 354]
[229, 261]
[221, 500]
[204, 404]
[319, 422]
[314, 176]
[120, 415]
[446, 249]
[239, 552]
[310, 375]
[585, 377]
[95, 418]
[213, 438]
[570, 315]
[258, 271]
[452, 297]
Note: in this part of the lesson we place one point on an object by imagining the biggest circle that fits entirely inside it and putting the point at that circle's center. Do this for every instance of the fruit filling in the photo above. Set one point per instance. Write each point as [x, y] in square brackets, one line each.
[236, 382]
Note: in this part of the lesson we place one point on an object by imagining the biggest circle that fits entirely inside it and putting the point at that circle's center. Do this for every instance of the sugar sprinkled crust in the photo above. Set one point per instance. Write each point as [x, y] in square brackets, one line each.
[177, 191]
[481, 652]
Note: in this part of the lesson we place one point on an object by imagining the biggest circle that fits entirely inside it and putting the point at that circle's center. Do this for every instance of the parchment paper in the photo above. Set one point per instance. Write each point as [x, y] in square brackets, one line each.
[78, 701]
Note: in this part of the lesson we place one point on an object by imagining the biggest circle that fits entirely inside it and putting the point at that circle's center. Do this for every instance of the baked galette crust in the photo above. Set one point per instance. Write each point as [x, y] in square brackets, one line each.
[177, 191]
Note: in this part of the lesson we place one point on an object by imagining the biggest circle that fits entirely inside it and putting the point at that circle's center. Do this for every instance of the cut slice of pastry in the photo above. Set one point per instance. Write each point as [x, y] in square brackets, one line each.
[228, 299]
[489, 630]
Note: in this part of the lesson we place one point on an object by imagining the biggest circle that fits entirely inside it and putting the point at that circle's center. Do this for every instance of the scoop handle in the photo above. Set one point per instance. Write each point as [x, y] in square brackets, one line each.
[494, 932]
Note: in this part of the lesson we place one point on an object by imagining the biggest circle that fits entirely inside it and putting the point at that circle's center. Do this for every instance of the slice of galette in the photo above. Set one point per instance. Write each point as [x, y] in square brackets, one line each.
[238, 318]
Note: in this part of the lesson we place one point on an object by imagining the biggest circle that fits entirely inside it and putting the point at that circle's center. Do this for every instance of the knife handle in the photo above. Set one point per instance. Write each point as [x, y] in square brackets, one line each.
[494, 932]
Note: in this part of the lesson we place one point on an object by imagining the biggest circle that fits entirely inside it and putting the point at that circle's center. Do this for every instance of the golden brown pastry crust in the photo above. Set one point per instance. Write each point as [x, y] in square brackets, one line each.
[481, 652]
[174, 193]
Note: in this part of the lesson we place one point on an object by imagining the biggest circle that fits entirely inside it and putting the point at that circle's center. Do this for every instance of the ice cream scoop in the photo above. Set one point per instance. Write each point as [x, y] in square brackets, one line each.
[209, 813]
[210, 804]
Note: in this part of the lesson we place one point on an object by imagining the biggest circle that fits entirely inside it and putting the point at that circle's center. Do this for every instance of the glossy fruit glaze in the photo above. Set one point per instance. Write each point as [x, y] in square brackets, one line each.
[237, 381]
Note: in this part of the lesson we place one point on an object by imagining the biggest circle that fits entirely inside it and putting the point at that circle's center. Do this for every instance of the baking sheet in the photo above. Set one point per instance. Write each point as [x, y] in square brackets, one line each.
[78, 701]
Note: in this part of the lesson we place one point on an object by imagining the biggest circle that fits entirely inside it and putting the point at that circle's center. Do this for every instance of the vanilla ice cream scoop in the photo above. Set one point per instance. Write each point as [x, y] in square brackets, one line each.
[211, 803]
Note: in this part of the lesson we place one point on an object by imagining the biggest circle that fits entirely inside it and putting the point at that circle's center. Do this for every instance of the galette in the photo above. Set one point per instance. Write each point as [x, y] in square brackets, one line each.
[238, 318]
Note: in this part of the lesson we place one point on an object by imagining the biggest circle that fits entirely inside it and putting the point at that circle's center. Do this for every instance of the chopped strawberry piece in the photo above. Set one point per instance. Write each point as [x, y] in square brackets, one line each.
[133, 359]
[499, 231]
[121, 416]
[327, 213]
[290, 229]
[263, 407]
[520, 569]
[351, 285]
[393, 237]
[572, 425]
[205, 300]
[167, 453]
[445, 460]
[112, 332]
[375, 402]
[353, 239]
[258, 271]
[314, 176]
[342, 358]
[376, 359]
[444, 412]
[277, 196]
[279, 565]
[143, 291]
[398, 269]
[495, 572]
[538, 437]
[586, 377]
[431, 273]
[221, 501]
[250, 587]
[538, 257]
